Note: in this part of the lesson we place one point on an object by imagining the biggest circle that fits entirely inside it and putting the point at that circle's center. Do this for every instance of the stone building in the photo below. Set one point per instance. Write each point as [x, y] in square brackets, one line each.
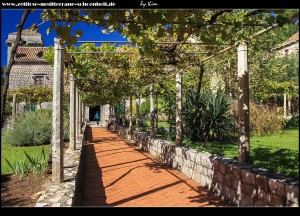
[29, 67]
[288, 47]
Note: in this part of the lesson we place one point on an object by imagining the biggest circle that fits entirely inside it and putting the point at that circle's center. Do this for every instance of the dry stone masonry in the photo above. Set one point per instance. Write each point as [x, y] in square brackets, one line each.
[241, 185]
[65, 194]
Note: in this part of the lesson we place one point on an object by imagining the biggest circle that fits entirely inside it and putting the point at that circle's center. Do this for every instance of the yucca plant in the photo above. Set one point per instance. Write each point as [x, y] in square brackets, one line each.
[205, 116]
[218, 121]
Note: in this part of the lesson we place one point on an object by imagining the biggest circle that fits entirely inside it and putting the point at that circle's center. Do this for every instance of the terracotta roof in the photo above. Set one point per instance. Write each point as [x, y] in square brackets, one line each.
[294, 38]
[27, 32]
[30, 54]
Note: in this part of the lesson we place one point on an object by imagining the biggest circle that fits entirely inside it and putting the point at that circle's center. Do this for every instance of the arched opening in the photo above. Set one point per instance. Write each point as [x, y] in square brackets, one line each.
[93, 111]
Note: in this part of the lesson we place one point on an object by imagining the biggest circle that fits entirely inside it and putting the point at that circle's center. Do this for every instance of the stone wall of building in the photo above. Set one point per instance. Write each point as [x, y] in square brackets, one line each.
[288, 50]
[22, 73]
[239, 185]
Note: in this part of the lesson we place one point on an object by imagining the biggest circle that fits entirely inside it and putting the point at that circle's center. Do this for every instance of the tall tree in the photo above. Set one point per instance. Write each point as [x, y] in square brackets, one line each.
[11, 62]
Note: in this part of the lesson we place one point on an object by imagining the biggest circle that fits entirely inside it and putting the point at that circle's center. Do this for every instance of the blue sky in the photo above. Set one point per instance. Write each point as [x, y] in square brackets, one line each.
[10, 18]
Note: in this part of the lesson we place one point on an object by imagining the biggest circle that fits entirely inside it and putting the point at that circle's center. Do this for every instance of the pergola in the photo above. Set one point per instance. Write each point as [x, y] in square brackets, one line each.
[77, 107]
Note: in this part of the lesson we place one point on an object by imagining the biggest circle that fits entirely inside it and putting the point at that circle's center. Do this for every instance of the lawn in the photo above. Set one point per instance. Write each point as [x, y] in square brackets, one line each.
[160, 124]
[17, 153]
[278, 152]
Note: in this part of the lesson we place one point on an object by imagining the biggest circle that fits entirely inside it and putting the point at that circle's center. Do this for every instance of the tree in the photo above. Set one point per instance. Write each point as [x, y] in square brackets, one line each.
[3, 69]
[11, 62]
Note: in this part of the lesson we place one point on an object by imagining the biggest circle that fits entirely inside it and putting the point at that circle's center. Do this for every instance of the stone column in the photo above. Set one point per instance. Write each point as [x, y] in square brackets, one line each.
[14, 109]
[82, 112]
[57, 113]
[151, 110]
[72, 113]
[87, 112]
[130, 116]
[284, 105]
[243, 104]
[124, 113]
[77, 116]
[178, 140]
[137, 119]
[156, 108]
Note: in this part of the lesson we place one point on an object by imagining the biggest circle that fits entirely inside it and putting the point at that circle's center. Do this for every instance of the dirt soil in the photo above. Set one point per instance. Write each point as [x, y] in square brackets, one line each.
[25, 192]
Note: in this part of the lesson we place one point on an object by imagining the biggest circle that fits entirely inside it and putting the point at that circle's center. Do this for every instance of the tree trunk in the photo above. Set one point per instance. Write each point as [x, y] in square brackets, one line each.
[11, 62]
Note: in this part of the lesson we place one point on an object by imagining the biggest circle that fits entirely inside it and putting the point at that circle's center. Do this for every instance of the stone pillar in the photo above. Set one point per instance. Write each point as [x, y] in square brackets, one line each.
[284, 105]
[82, 112]
[243, 104]
[156, 108]
[57, 113]
[72, 135]
[124, 113]
[137, 119]
[289, 107]
[87, 112]
[178, 140]
[14, 109]
[77, 116]
[130, 116]
[151, 110]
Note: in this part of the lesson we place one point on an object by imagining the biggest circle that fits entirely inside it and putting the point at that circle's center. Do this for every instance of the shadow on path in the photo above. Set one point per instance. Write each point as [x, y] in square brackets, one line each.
[93, 189]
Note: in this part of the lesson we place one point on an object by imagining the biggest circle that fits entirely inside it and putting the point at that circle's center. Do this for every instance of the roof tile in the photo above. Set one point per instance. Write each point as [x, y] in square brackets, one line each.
[30, 54]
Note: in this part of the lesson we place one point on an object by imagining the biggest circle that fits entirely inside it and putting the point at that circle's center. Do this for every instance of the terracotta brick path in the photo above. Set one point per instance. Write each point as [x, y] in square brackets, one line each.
[118, 174]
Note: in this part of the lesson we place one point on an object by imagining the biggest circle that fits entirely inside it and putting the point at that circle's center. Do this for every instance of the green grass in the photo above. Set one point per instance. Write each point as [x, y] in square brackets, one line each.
[160, 124]
[12, 153]
[277, 152]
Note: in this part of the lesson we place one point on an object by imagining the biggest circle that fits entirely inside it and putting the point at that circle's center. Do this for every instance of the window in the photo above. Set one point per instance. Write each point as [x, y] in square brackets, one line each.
[40, 55]
[39, 80]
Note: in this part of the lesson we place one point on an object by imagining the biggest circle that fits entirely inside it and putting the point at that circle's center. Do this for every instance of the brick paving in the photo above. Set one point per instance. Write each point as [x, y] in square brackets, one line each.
[118, 174]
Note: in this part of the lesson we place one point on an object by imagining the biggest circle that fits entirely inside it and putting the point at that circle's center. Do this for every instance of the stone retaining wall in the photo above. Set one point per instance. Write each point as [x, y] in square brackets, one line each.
[66, 194]
[239, 185]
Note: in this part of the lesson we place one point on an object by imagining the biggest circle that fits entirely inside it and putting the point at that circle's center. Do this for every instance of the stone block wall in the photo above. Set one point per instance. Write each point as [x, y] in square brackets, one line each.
[21, 74]
[239, 185]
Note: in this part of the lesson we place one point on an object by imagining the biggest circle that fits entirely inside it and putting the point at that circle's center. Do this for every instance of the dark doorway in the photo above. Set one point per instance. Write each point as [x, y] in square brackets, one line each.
[93, 111]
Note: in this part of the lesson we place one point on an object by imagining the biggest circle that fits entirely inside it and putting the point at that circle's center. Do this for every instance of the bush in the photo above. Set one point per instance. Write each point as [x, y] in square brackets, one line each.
[38, 164]
[30, 128]
[264, 120]
[293, 122]
[19, 167]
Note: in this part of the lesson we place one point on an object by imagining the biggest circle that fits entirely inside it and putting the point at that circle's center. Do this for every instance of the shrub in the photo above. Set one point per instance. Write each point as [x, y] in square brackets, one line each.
[264, 120]
[30, 128]
[38, 164]
[206, 117]
[19, 167]
[293, 122]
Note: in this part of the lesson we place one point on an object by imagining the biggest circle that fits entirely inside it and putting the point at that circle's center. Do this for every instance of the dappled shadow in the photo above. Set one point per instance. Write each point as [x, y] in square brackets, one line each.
[281, 160]
[93, 189]
[122, 176]
[144, 194]
[126, 176]
[16, 192]
[9, 199]
[204, 198]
